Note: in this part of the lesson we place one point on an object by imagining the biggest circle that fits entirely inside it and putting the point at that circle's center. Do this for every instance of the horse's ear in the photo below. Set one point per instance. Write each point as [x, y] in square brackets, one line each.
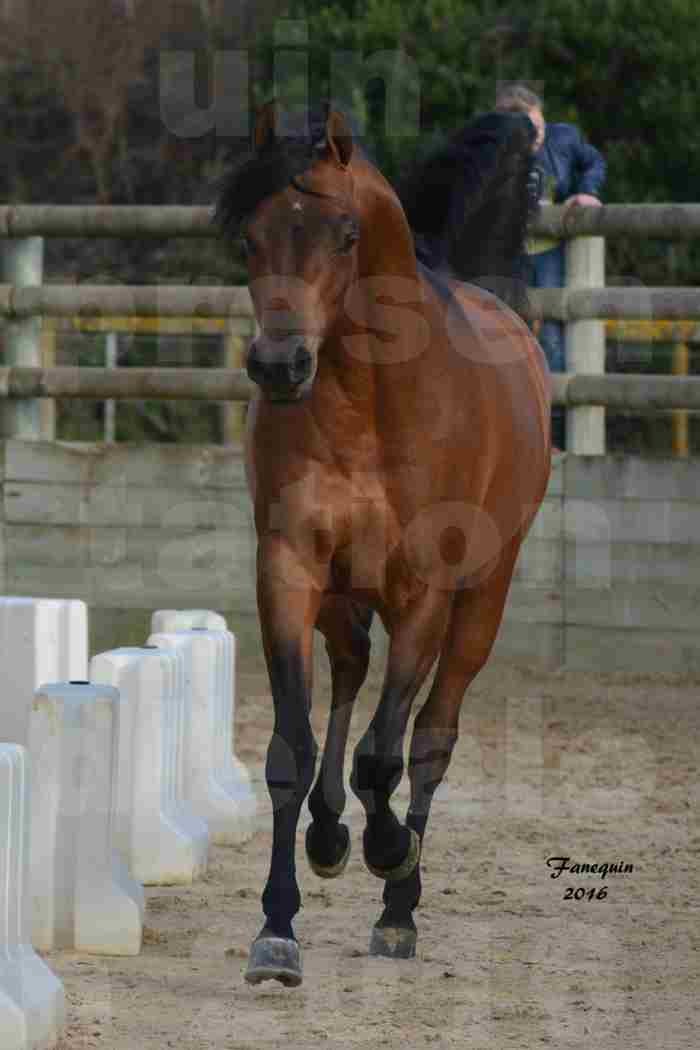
[265, 125]
[339, 137]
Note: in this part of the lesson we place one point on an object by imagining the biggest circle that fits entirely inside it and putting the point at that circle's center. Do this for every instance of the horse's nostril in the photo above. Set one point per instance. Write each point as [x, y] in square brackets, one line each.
[254, 367]
[291, 370]
[302, 363]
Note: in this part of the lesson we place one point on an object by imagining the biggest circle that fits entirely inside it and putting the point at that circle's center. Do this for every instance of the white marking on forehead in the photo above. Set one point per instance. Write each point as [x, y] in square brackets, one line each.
[296, 206]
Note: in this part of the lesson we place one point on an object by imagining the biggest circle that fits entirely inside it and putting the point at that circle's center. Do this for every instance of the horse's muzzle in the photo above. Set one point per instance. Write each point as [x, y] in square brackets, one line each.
[280, 376]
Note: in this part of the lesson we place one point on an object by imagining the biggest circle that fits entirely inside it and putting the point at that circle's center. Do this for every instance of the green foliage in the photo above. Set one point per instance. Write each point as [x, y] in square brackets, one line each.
[624, 71]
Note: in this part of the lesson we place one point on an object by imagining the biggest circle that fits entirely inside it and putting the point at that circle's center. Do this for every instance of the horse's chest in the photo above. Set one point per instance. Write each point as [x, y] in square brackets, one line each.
[371, 557]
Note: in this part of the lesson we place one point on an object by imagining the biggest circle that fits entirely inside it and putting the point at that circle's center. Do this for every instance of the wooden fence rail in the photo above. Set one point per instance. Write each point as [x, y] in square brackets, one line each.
[94, 300]
[666, 221]
[583, 306]
[643, 393]
[167, 300]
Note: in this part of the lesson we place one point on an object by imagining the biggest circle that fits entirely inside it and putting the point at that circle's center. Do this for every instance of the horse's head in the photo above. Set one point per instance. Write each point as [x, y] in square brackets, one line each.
[292, 201]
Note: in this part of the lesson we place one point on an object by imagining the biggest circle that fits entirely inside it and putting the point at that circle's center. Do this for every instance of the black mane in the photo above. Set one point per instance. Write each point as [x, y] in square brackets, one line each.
[470, 202]
[259, 174]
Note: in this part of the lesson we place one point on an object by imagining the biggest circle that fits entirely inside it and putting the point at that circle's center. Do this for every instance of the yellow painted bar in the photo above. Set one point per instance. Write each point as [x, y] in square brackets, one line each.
[151, 325]
[624, 331]
[653, 331]
[681, 443]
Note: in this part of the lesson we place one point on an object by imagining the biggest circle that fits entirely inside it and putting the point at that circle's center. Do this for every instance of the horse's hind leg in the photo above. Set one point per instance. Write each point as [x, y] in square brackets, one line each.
[476, 617]
[347, 642]
[391, 849]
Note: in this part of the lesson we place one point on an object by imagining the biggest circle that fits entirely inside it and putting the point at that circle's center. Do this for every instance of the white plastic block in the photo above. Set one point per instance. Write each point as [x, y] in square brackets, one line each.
[41, 640]
[32, 1005]
[162, 840]
[83, 896]
[181, 652]
[186, 620]
[215, 783]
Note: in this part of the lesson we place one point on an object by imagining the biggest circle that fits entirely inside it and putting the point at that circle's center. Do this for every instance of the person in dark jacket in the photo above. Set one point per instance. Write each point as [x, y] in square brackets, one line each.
[571, 172]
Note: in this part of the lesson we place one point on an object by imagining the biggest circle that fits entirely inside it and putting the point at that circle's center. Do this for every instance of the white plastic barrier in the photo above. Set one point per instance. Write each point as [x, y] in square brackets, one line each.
[180, 650]
[186, 620]
[32, 1007]
[215, 783]
[83, 896]
[41, 640]
[161, 839]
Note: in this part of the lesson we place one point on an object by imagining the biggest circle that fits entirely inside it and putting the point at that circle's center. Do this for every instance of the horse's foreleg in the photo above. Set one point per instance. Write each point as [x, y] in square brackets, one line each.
[391, 848]
[348, 646]
[287, 617]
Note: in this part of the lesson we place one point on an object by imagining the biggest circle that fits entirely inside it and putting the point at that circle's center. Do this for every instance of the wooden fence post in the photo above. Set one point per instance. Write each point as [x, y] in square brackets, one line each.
[111, 361]
[232, 414]
[585, 345]
[23, 267]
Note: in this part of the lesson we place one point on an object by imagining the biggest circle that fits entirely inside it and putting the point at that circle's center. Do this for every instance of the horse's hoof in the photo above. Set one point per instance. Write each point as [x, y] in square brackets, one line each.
[329, 871]
[405, 868]
[274, 959]
[393, 942]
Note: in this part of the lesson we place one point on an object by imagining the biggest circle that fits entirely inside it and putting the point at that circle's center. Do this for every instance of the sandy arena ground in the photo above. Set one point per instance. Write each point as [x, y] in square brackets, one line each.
[598, 768]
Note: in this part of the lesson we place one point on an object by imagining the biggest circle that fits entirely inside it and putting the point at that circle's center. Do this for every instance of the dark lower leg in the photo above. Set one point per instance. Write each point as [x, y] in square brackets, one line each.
[431, 750]
[348, 647]
[326, 842]
[378, 761]
[289, 770]
[289, 773]
[377, 769]
[401, 898]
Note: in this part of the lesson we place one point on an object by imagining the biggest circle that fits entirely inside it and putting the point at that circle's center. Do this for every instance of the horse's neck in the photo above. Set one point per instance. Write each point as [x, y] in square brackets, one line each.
[379, 333]
[381, 365]
[407, 360]
[386, 248]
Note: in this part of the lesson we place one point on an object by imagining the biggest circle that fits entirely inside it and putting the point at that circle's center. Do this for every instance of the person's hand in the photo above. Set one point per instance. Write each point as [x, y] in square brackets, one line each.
[571, 204]
[581, 199]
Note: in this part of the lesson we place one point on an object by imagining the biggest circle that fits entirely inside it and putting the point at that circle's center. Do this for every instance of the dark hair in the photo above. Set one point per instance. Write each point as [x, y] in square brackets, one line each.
[261, 173]
[485, 169]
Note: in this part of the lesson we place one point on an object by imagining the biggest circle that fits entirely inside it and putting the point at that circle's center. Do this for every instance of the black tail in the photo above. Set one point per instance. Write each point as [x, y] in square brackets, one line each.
[470, 204]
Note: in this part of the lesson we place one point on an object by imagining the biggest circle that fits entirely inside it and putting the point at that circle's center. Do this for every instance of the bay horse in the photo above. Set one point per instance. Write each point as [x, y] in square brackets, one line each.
[397, 451]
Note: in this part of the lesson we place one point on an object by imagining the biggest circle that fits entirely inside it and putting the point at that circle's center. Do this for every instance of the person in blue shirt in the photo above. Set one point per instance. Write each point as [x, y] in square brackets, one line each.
[571, 172]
